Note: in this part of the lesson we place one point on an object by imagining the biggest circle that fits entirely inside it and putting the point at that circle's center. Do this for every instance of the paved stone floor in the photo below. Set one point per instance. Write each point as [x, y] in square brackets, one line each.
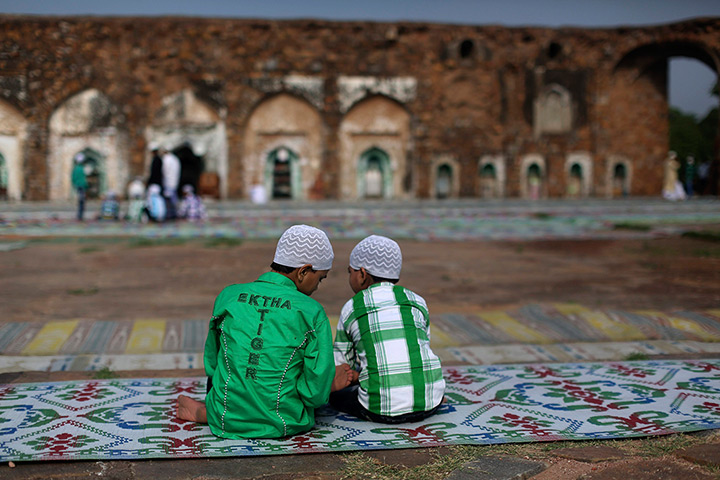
[428, 220]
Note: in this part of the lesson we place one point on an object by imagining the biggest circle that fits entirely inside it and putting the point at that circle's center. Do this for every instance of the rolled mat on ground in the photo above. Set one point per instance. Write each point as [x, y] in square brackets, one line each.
[135, 418]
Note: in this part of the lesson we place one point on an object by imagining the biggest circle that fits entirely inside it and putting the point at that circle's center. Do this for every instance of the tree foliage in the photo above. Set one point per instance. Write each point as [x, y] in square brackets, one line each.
[692, 137]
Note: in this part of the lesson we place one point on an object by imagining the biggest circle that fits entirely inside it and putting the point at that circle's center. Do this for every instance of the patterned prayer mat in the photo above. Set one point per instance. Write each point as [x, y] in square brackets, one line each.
[134, 418]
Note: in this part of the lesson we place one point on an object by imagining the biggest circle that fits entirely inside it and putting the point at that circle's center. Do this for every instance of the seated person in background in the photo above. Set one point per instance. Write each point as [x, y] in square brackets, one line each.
[191, 206]
[155, 204]
[110, 207]
[136, 200]
[384, 335]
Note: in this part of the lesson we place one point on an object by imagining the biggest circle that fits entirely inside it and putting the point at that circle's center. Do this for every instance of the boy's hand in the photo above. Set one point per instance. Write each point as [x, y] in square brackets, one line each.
[343, 377]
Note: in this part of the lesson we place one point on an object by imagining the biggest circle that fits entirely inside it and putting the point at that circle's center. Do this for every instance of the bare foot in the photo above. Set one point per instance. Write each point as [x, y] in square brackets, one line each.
[190, 409]
[343, 377]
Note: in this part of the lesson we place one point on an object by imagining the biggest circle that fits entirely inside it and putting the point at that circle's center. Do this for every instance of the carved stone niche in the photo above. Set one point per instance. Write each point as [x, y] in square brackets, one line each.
[552, 111]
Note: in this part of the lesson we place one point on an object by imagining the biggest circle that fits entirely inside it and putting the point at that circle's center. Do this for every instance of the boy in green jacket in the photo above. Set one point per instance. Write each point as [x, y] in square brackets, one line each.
[268, 353]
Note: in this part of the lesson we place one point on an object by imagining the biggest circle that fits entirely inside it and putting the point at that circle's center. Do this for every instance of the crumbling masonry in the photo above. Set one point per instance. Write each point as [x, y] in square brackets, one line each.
[343, 110]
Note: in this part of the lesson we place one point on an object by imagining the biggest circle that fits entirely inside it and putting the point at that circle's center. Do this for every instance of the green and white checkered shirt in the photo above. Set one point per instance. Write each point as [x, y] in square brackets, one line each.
[384, 333]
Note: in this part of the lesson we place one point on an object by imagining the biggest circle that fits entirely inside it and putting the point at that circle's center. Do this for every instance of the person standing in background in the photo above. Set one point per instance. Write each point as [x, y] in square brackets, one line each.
[689, 175]
[171, 181]
[80, 184]
[672, 188]
[156, 173]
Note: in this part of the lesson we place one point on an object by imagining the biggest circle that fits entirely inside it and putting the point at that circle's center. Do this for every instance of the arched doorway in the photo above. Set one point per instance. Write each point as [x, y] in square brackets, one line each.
[191, 166]
[282, 174]
[196, 131]
[488, 181]
[94, 167]
[642, 85]
[12, 139]
[381, 125]
[284, 132]
[534, 181]
[374, 174]
[693, 117]
[4, 178]
[91, 124]
[443, 183]
[619, 181]
[575, 181]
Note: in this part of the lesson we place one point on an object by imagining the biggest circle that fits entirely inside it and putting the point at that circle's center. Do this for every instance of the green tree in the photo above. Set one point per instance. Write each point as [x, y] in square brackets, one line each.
[708, 127]
[690, 136]
[685, 135]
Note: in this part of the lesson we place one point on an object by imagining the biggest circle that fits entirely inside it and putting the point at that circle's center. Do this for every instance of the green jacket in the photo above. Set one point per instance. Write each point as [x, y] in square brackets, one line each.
[78, 177]
[269, 353]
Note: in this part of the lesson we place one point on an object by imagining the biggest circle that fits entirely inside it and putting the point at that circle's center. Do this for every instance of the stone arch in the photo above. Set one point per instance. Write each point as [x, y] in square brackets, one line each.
[445, 177]
[374, 122]
[578, 175]
[618, 176]
[88, 121]
[374, 174]
[3, 178]
[532, 176]
[282, 174]
[553, 110]
[284, 121]
[643, 58]
[185, 123]
[492, 175]
[13, 134]
[95, 166]
[639, 83]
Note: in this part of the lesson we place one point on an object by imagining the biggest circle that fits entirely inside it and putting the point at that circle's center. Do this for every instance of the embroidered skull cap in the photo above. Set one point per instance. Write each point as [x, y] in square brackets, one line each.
[380, 256]
[303, 244]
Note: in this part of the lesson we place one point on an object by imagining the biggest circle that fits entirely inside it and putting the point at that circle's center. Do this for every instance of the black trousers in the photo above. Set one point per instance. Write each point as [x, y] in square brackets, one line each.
[346, 401]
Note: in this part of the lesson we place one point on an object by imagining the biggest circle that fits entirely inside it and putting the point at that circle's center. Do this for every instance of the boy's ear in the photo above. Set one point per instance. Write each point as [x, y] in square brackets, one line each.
[364, 277]
[304, 270]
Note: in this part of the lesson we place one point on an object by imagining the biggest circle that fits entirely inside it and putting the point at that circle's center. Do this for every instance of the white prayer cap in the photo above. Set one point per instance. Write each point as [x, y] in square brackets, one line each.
[380, 256]
[79, 158]
[303, 244]
[153, 146]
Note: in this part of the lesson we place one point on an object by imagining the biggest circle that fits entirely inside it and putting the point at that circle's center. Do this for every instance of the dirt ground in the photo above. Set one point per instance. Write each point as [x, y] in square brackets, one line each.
[115, 279]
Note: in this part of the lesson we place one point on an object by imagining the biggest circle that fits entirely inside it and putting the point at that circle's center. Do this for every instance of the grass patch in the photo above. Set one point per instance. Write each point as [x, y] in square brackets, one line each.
[704, 253]
[83, 291]
[637, 227]
[703, 235]
[446, 460]
[665, 445]
[227, 242]
[104, 373]
[90, 249]
[358, 465]
[156, 242]
[542, 216]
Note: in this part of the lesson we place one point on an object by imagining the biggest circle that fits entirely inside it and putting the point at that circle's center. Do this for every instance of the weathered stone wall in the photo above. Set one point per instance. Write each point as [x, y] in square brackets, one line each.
[425, 95]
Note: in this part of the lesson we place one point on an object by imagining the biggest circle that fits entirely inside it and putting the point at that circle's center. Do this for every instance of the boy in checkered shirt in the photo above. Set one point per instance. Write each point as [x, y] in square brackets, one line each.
[384, 335]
